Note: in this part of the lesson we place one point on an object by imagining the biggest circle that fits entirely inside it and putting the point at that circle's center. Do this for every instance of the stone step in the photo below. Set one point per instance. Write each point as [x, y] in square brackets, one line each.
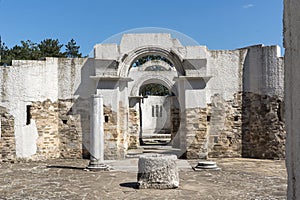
[156, 139]
[149, 135]
[152, 137]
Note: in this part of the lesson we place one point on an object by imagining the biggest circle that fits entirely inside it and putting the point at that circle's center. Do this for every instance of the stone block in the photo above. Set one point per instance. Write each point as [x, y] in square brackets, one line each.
[157, 171]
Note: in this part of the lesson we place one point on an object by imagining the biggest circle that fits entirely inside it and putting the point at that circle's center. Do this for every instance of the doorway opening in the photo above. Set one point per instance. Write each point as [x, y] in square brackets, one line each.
[155, 115]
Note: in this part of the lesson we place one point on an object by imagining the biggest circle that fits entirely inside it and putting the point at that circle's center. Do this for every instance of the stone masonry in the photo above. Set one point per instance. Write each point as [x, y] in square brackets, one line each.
[196, 139]
[46, 116]
[110, 133]
[224, 120]
[134, 128]
[70, 131]
[7, 137]
[263, 127]
[60, 133]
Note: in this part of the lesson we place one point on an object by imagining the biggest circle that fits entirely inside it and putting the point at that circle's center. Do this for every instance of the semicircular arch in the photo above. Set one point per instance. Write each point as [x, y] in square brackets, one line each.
[156, 79]
[129, 58]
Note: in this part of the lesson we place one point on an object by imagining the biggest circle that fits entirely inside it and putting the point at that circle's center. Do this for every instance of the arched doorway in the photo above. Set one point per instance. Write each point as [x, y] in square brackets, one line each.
[154, 101]
[153, 98]
[155, 114]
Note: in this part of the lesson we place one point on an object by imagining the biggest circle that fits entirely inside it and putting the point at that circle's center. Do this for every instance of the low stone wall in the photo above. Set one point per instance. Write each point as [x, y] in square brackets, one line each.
[70, 131]
[250, 125]
[59, 129]
[263, 127]
[7, 136]
[224, 121]
[46, 116]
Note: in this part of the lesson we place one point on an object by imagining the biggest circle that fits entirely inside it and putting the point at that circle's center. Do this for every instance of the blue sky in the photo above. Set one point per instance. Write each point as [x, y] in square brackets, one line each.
[218, 24]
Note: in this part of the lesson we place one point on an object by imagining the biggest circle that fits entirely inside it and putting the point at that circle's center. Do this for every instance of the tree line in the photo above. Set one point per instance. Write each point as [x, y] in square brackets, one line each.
[29, 50]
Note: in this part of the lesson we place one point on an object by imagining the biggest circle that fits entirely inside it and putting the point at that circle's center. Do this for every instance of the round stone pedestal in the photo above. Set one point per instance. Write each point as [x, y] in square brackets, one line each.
[158, 171]
[206, 165]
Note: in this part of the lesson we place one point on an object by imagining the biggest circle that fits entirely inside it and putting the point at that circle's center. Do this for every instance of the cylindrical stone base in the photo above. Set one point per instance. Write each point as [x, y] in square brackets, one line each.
[158, 171]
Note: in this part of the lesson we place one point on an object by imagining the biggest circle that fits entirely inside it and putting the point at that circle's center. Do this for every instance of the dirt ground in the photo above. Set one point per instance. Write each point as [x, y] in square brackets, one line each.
[68, 179]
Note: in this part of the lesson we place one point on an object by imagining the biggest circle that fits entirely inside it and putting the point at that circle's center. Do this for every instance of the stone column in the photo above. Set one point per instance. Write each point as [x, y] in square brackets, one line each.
[97, 134]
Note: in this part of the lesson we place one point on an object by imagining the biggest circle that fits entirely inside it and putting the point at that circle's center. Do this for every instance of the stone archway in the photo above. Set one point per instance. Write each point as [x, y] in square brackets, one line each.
[152, 78]
[170, 54]
[162, 112]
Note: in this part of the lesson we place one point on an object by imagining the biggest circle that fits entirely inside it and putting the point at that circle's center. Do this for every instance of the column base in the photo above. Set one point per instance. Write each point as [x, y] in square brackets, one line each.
[98, 167]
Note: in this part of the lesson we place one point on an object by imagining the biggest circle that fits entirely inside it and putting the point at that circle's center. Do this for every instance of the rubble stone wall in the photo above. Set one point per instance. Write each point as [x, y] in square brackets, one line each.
[110, 133]
[46, 116]
[133, 128]
[70, 131]
[263, 126]
[59, 130]
[250, 125]
[7, 136]
[196, 133]
[224, 121]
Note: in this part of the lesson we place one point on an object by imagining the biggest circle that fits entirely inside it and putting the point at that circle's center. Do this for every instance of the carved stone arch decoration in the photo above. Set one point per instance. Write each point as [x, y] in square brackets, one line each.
[154, 78]
[128, 59]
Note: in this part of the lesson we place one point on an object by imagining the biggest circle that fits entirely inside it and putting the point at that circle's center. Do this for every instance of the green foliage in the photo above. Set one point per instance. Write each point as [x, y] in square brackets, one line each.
[5, 57]
[147, 58]
[154, 90]
[29, 50]
[72, 50]
[51, 48]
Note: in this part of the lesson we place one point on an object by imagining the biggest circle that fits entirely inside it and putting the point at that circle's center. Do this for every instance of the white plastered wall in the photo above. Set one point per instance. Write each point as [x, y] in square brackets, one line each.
[27, 81]
[224, 67]
[30, 81]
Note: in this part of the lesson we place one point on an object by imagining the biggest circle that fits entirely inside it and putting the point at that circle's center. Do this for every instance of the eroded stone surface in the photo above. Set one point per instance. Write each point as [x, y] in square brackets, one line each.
[157, 172]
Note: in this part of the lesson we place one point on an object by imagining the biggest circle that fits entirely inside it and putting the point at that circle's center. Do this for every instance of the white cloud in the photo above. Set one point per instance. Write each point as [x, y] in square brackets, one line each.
[248, 6]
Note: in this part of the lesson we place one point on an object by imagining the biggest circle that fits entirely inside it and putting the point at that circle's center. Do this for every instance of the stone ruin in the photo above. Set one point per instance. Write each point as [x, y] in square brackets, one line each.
[219, 103]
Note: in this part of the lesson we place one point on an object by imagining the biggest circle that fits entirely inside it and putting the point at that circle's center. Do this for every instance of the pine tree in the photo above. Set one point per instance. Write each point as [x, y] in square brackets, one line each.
[72, 50]
[50, 48]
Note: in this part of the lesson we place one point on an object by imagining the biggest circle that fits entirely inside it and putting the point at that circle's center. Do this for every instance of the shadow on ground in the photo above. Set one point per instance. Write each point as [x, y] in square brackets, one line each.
[65, 167]
[133, 185]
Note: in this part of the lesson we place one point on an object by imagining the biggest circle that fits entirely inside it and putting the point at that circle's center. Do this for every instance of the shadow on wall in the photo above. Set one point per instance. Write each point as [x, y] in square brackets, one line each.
[81, 104]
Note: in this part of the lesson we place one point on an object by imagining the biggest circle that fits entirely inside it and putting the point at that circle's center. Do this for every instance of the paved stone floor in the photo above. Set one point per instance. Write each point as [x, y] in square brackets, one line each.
[67, 179]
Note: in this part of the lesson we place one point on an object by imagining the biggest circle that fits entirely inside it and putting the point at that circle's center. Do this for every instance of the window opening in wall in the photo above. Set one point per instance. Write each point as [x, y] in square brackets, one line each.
[65, 121]
[28, 114]
[236, 118]
[152, 111]
[160, 111]
[208, 118]
[157, 111]
[106, 118]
